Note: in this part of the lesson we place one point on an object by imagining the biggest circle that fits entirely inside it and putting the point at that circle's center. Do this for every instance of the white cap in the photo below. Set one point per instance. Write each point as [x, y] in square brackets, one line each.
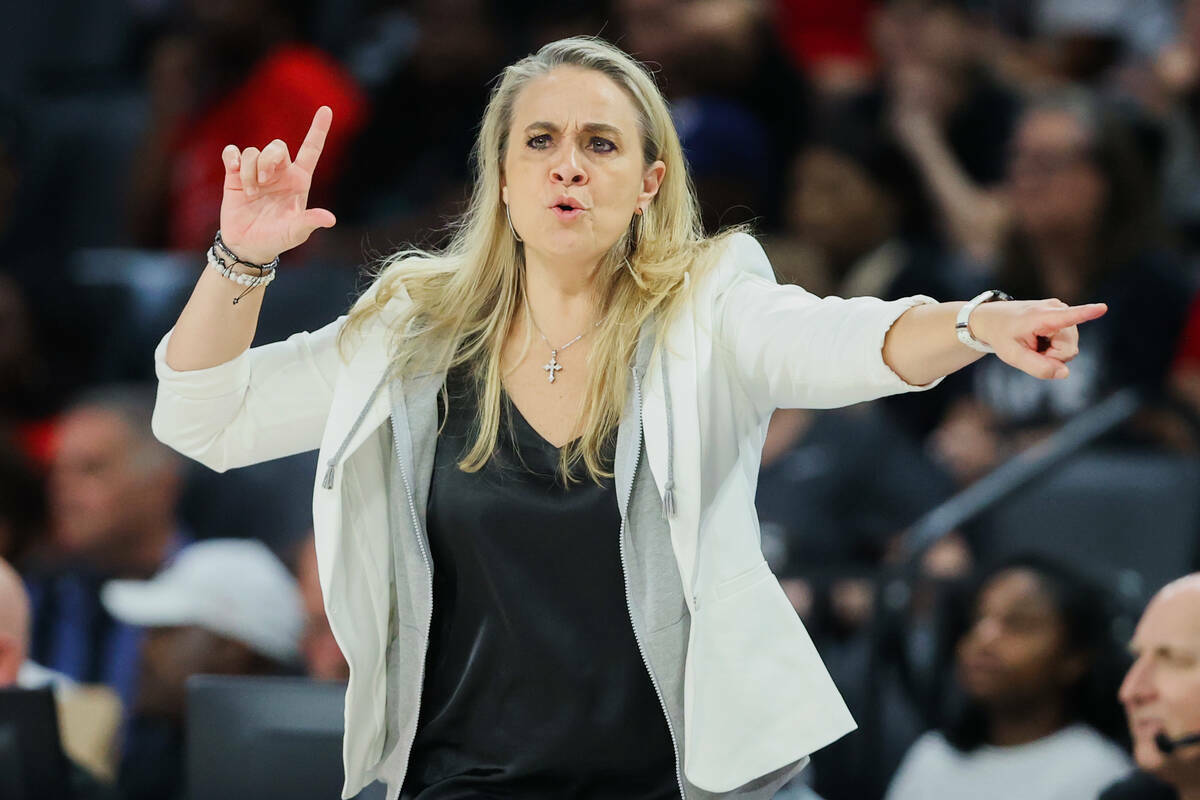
[236, 588]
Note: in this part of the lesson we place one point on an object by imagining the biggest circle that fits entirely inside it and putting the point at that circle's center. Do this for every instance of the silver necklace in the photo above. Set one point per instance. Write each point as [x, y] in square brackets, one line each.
[552, 366]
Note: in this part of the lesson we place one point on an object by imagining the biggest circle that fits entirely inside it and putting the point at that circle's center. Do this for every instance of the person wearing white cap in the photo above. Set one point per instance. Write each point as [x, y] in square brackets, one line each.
[223, 607]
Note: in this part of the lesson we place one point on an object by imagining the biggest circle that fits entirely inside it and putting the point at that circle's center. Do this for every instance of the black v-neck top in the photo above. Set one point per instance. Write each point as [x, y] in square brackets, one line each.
[534, 684]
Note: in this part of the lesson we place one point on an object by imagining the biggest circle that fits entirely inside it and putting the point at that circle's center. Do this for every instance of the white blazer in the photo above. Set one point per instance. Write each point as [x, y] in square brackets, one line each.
[741, 347]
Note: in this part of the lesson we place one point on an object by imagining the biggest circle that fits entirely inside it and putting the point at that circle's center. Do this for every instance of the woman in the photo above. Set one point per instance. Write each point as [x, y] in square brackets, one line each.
[1039, 669]
[1083, 226]
[580, 301]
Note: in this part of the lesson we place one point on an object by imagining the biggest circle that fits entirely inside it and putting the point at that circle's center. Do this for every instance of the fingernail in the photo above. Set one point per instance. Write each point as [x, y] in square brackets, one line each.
[262, 176]
[1061, 372]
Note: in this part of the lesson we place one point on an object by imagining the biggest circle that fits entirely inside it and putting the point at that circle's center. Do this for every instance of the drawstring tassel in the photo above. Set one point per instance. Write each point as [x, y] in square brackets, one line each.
[669, 499]
[327, 481]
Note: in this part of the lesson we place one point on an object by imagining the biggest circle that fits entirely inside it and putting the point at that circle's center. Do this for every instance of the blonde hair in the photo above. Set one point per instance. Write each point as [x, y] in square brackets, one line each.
[464, 297]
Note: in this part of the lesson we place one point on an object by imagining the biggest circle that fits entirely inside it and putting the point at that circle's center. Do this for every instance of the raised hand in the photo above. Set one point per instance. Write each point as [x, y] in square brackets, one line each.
[1036, 336]
[264, 210]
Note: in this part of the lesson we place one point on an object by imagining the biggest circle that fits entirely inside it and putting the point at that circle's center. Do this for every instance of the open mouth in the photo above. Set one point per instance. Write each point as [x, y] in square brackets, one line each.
[564, 211]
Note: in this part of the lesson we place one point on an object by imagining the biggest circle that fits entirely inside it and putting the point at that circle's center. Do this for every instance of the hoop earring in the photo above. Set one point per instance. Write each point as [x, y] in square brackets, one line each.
[510, 225]
[635, 231]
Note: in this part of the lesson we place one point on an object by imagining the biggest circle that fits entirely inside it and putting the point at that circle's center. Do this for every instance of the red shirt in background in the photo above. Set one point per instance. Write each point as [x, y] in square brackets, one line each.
[1187, 356]
[276, 101]
[816, 31]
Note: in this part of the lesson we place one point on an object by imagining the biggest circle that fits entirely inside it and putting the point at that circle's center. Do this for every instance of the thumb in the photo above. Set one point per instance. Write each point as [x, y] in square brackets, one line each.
[319, 218]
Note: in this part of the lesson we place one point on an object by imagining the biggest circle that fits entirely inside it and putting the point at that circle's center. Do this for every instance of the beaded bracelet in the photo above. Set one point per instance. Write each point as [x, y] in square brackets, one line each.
[227, 271]
[266, 272]
[244, 279]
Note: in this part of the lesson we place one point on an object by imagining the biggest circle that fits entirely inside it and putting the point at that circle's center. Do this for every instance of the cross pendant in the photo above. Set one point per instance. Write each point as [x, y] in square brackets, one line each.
[553, 366]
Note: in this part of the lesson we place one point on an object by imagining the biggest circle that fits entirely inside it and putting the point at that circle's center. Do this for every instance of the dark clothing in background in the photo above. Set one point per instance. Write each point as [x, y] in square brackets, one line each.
[977, 132]
[1132, 345]
[1139, 786]
[851, 481]
[534, 684]
[74, 634]
[152, 764]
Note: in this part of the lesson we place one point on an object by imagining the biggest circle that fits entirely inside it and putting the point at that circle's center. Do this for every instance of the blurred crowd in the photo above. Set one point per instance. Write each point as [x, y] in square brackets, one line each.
[1050, 148]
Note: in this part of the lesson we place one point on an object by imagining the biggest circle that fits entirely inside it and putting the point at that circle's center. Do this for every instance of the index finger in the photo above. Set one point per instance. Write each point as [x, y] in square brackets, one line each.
[314, 141]
[1056, 320]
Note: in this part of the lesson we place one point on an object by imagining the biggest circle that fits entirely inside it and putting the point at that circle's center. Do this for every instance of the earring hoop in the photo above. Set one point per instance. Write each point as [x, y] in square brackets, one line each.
[635, 230]
[633, 236]
[510, 225]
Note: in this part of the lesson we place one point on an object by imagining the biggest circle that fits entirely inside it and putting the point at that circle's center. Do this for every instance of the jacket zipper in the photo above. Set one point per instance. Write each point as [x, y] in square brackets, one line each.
[327, 481]
[637, 394]
[412, 508]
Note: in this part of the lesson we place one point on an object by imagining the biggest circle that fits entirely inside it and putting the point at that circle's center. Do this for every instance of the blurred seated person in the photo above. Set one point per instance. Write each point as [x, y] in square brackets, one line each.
[1161, 694]
[948, 114]
[400, 182]
[207, 79]
[29, 382]
[223, 607]
[1083, 227]
[1037, 669]
[88, 716]
[854, 205]
[836, 486]
[323, 658]
[1184, 383]
[113, 492]
[22, 504]
[737, 101]
[829, 40]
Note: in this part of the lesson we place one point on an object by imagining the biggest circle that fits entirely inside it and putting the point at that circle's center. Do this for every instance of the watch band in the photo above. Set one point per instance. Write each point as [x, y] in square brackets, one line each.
[962, 322]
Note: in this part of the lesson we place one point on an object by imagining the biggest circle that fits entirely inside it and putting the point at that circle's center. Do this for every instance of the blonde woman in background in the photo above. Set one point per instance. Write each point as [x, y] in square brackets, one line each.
[534, 510]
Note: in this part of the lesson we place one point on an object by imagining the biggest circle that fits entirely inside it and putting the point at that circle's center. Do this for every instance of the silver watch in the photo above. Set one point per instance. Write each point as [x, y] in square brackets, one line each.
[962, 323]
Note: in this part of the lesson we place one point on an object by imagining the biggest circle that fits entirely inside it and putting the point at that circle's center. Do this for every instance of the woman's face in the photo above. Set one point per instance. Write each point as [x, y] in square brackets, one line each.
[1016, 650]
[835, 205]
[575, 138]
[1055, 187]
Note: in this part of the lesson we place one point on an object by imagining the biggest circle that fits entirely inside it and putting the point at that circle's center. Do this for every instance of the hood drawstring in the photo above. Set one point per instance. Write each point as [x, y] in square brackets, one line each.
[669, 487]
[327, 481]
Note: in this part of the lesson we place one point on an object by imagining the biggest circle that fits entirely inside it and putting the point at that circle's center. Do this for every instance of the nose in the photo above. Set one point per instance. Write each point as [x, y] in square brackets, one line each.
[1138, 686]
[569, 170]
[985, 631]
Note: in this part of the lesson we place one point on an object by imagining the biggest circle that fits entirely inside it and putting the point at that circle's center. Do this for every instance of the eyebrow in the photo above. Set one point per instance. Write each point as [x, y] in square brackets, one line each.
[1164, 648]
[593, 127]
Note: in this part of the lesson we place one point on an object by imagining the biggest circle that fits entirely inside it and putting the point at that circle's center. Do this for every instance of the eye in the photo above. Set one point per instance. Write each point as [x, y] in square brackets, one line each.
[538, 142]
[603, 145]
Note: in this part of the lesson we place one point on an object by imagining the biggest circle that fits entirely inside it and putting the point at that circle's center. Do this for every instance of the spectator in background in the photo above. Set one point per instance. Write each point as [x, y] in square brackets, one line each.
[829, 40]
[113, 492]
[224, 607]
[1037, 668]
[26, 380]
[948, 114]
[835, 487]
[852, 207]
[22, 505]
[1083, 227]
[1161, 694]
[1038, 44]
[323, 658]
[404, 177]
[206, 82]
[738, 103]
[88, 716]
